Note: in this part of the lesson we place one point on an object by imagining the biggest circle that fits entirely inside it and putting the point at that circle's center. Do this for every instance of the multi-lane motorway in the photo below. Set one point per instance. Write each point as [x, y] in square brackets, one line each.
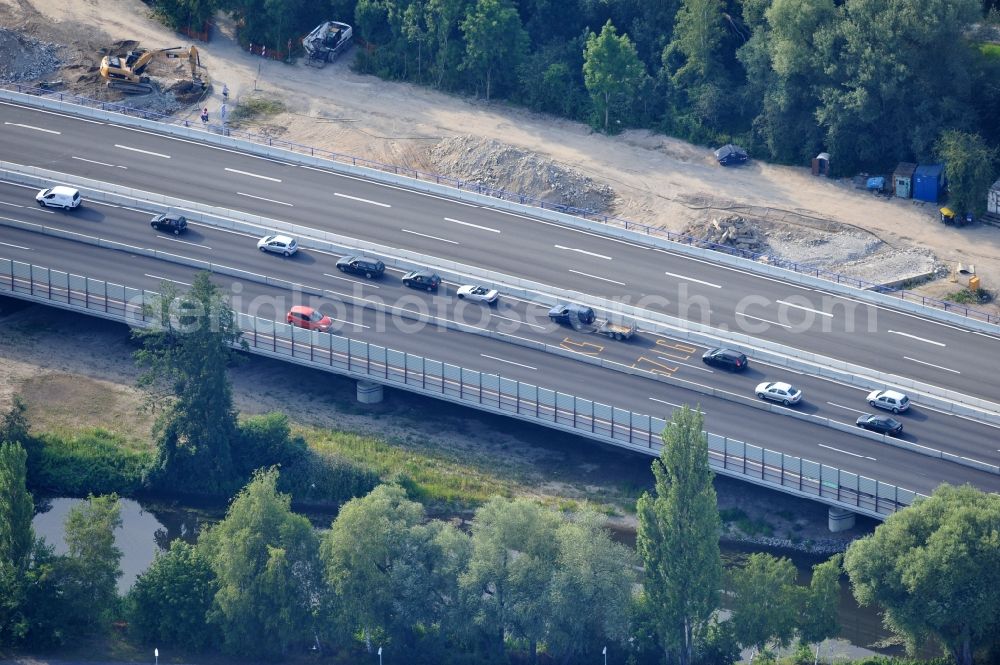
[886, 340]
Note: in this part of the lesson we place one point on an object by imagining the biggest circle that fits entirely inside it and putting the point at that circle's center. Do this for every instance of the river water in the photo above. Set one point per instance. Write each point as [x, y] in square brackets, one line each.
[148, 527]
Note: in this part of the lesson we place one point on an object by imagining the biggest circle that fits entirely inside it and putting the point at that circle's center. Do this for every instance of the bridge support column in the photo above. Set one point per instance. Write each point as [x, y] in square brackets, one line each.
[370, 392]
[838, 519]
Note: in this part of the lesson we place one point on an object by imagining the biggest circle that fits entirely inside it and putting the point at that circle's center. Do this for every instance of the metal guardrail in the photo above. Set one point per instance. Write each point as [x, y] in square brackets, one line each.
[469, 186]
[490, 392]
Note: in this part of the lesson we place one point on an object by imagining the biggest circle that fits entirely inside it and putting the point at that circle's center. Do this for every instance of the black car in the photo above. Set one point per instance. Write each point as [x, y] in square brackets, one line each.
[170, 223]
[425, 280]
[880, 424]
[730, 155]
[725, 359]
[570, 313]
[361, 265]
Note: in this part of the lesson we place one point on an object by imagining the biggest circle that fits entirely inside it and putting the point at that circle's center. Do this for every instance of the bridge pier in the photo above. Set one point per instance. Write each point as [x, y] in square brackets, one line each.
[839, 519]
[370, 392]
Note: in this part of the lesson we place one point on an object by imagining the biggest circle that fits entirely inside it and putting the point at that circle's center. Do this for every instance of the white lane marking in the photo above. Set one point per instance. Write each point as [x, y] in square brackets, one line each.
[197, 143]
[569, 228]
[525, 323]
[719, 265]
[15, 205]
[919, 339]
[61, 115]
[757, 318]
[692, 279]
[808, 309]
[603, 279]
[37, 129]
[238, 233]
[253, 175]
[922, 362]
[183, 242]
[382, 184]
[353, 281]
[846, 408]
[355, 198]
[145, 152]
[261, 198]
[132, 209]
[17, 246]
[583, 251]
[167, 279]
[679, 406]
[424, 235]
[823, 445]
[94, 161]
[677, 362]
[351, 323]
[475, 226]
[511, 362]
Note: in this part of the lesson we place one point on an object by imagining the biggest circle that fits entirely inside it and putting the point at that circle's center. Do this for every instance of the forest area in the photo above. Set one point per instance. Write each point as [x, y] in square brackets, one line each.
[872, 82]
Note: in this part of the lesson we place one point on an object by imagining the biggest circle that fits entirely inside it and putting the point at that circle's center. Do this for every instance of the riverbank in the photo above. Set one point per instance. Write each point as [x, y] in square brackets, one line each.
[77, 376]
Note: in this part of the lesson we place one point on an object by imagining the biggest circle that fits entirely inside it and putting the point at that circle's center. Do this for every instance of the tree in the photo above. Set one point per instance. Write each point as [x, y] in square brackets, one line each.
[394, 575]
[513, 557]
[17, 542]
[495, 41]
[764, 601]
[934, 568]
[190, 14]
[678, 537]
[443, 20]
[90, 540]
[611, 70]
[187, 354]
[170, 601]
[818, 619]
[14, 425]
[266, 562]
[968, 168]
[590, 591]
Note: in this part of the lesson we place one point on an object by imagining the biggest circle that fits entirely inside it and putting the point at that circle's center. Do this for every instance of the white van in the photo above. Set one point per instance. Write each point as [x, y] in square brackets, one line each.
[59, 196]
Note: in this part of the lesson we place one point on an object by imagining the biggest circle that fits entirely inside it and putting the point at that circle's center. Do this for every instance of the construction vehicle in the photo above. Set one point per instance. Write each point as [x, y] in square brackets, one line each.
[326, 42]
[127, 73]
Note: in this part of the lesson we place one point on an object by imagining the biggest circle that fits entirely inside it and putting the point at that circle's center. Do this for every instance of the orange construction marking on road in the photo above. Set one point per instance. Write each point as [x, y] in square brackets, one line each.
[581, 347]
[659, 368]
[676, 346]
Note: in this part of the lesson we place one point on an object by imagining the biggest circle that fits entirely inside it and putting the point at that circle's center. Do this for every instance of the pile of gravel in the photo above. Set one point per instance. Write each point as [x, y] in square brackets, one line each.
[500, 166]
[731, 231]
[24, 58]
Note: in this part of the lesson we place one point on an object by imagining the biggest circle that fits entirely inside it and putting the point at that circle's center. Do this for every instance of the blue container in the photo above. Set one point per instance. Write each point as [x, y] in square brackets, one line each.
[928, 182]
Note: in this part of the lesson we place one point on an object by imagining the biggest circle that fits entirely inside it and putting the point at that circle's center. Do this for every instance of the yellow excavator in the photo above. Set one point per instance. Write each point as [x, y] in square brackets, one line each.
[126, 73]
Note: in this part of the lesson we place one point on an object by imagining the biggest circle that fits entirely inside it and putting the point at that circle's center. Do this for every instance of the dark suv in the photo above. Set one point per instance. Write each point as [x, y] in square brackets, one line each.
[169, 222]
[422, 279]
[725, 359]
[571, 313]
[361, 265]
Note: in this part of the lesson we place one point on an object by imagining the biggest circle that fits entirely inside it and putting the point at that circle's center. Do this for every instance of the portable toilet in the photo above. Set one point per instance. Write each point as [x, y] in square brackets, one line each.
[993, 199]
[928, 182]
[902, 180]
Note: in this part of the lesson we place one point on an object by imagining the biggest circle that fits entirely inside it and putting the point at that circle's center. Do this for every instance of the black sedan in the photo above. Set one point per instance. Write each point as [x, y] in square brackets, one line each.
[170, 223]
[880, 424]
[734, 361]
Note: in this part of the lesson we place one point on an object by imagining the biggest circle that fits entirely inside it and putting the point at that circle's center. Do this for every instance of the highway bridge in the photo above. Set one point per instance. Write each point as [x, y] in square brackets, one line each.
[652, 374]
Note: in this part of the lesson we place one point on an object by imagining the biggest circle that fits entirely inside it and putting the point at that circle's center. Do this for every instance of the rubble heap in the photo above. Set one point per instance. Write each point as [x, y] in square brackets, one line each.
[732, 231]
[24, 58]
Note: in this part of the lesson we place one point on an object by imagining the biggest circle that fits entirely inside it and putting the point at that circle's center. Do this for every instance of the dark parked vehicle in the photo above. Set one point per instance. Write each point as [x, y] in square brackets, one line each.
[734, 361]
[425, 280]
[361, 265]
[730, 155]
[170, 222]
[880, 424]
[570, 313]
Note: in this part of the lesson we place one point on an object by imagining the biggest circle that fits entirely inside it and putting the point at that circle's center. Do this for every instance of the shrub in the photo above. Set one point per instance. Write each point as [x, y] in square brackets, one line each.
[94, 461]
[318, 478]
[266, 441]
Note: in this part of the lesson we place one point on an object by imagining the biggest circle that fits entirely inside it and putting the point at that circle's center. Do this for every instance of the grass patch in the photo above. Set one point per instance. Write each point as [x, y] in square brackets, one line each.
[991, 51]
[970, 297]
[256, 108]
[732, 514]
[94, 461]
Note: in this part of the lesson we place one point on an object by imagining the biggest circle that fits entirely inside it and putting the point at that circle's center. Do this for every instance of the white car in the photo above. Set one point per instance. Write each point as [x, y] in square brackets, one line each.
[59, 196]
[478, 293]
[779, 392]
[890, 400]
[278, 244]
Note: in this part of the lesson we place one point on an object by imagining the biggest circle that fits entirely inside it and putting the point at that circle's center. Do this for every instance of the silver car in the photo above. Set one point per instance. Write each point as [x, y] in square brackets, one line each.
[278, 244]
[779, 392]
[890, 400]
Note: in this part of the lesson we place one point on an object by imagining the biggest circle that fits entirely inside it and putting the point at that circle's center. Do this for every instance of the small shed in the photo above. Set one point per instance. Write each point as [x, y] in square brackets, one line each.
[902, 180]
[928, 182]
[993, 198]
[821, 164]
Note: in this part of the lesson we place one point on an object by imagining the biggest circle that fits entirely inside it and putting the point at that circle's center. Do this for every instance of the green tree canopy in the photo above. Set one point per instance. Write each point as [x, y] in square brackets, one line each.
[187, 355]
[818, 618]
[90, 539]
[170, 601]
[765, 601]
[612, 71]
[266, 563]
[495, 42]
[968, 169]
[935, 569]
[678, 538]
[17, 542]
